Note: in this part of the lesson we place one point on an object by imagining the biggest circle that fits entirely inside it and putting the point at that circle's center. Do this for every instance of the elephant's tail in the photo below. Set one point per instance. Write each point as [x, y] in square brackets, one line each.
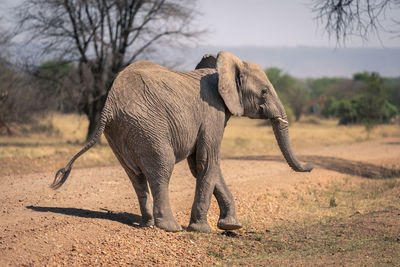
[62, 174]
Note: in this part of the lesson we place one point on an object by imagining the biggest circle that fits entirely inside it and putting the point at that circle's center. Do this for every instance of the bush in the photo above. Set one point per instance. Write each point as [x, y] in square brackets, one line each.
[330, 107]
[370, 107]
[289, 113]
[290, 90]
[360, 110]
[347, 111]
[29, 96]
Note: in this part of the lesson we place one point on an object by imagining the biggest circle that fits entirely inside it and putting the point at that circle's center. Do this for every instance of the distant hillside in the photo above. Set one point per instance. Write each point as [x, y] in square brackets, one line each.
[309, 61]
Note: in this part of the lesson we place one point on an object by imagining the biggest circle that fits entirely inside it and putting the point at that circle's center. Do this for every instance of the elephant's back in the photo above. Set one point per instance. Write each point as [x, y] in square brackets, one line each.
[153, 96]
[154, 104]
[145, 84]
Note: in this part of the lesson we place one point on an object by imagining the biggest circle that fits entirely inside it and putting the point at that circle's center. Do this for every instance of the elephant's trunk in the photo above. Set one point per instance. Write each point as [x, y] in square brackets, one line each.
[282, 137]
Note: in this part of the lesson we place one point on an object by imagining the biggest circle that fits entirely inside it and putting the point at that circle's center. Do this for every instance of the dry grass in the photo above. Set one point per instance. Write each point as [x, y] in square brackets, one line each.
[328, 220]
[49, 145]
[305, 228]
[245, 136]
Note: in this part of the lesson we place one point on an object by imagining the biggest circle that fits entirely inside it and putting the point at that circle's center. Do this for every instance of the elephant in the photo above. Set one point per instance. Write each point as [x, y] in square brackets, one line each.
[154, 117]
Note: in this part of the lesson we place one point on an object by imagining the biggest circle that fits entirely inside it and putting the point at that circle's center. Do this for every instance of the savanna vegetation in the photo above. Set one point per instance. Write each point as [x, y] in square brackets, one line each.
[366, 99]
[46, 144]
[345, 212]
[84, 44]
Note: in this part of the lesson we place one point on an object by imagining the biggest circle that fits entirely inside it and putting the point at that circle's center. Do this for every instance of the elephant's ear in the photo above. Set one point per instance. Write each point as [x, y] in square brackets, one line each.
[228, 68]
[208, 61]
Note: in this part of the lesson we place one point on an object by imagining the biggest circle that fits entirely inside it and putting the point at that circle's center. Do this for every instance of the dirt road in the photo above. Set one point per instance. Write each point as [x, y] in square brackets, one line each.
[94, 218]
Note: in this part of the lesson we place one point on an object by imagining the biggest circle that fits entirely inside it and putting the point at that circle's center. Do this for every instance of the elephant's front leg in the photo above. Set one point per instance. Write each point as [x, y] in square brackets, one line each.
[227, 218]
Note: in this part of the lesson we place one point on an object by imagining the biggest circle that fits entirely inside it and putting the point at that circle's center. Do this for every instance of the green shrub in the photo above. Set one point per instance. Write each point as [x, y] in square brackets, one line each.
[370, 107]
[389, 111]
[347, 111]
[330, 108]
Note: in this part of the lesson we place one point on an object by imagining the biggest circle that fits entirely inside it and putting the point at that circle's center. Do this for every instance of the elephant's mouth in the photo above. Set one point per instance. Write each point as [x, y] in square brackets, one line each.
[272, 115]
[279, 119]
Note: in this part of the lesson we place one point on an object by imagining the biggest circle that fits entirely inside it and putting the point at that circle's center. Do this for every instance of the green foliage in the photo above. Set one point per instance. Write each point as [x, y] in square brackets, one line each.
[365, 76]
[389, 111]
[369, 107]
[292, 92]
[332, 202]
[18, 105]
[393, 91]
[331, 107]
[54, 80]
[289, 113]
[274, 75]
[30, 96]
[347, 111]
[338, 88]
[319, 87]
[299, 99]
[55, 69]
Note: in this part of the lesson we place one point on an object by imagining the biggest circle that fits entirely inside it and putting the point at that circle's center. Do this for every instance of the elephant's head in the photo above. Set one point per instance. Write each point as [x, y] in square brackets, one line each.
[247, 91]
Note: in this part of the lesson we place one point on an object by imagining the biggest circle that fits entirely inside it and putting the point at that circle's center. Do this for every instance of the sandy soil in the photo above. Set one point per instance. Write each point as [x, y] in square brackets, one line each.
[94, 218]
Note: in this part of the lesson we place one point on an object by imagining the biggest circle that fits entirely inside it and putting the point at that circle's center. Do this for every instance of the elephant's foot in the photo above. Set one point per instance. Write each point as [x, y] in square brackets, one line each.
[169, 225]
[229, 223]
[147, 222]
[199, 227]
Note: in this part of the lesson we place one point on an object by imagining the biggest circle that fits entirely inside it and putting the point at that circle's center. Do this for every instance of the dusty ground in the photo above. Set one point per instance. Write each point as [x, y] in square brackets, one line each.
[324, 217]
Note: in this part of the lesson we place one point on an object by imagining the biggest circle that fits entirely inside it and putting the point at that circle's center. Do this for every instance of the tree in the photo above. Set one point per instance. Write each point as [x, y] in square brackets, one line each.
[103, 36]
[393, 85]
[5, 77]
[54, 79]
[342, 18]
[347, 111]
[290, 90]
[370, 106]
[371, 103]
[298, 98]
[320, 86]
[330, 108]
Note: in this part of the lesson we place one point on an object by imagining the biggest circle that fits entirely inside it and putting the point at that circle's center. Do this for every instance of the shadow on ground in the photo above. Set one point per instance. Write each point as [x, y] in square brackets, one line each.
[351, 167]
[123, 217]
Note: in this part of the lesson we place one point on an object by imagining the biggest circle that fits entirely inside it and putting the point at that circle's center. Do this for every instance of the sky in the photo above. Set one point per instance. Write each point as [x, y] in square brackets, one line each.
[258, 30]
[262, 23]
[273, 23]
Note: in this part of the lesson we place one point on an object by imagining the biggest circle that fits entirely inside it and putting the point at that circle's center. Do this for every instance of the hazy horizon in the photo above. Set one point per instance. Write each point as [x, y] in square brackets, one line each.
[271, 33]
[306, 61]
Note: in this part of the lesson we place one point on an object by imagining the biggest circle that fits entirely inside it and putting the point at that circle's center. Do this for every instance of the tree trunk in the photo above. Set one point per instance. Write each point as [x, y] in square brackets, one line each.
[297, 116]
[4, 124]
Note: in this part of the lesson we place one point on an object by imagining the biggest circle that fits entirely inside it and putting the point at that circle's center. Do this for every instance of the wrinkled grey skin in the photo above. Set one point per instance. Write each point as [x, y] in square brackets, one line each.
[154, 117]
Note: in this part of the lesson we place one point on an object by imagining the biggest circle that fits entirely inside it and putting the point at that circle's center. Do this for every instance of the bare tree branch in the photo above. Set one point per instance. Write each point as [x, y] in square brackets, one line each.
[344, 18]
[103, 36]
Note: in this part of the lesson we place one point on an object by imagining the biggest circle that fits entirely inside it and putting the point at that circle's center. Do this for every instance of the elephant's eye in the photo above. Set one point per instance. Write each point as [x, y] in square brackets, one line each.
[264, 92]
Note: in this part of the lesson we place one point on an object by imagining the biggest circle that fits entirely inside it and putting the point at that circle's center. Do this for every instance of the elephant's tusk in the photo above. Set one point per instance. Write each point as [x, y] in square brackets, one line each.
[282, 120]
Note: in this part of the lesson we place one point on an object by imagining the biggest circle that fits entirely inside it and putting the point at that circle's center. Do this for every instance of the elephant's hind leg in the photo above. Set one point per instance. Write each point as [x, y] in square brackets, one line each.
[139, 182]
[158, 169]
